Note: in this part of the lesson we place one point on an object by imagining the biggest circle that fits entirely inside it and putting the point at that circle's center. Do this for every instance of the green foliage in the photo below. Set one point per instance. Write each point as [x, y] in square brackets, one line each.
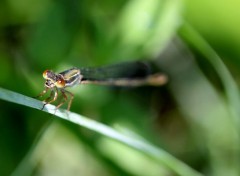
[190, 126]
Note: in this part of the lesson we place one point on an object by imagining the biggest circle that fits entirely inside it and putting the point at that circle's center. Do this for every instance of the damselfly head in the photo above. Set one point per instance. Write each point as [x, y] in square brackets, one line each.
[53, 79]
[48, 74]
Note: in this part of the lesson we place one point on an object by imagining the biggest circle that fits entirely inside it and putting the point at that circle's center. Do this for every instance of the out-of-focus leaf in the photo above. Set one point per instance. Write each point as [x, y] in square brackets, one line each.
[149, 25]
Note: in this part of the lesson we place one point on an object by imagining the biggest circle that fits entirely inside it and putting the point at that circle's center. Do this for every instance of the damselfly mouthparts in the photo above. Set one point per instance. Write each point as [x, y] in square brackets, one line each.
[125, 74]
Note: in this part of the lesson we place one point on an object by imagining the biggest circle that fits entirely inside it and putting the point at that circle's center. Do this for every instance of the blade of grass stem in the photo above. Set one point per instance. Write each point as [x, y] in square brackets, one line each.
[191, 36]
[160, 155]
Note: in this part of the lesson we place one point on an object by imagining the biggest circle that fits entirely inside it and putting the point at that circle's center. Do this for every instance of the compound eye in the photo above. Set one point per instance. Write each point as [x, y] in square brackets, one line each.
[60, 83]
[45, 74]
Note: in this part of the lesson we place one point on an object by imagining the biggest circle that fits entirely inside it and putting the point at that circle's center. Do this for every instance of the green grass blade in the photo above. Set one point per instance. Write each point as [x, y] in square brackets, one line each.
[191, 36]
[160, 155]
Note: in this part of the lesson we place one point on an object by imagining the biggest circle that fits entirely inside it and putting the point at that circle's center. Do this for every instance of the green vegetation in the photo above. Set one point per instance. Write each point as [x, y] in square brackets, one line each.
[190, 126]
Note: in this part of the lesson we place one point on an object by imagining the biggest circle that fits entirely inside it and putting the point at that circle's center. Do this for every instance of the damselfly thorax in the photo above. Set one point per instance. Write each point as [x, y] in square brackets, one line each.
[125, 74]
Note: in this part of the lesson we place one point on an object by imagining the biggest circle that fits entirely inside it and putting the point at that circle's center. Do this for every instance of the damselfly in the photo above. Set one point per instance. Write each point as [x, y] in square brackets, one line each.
[124, 74]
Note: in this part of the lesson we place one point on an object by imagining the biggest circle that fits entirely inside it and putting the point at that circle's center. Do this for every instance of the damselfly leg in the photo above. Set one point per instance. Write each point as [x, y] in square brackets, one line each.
[42, 93]
[53, 97]
[48, 99]
[65, 98]
[54, 94]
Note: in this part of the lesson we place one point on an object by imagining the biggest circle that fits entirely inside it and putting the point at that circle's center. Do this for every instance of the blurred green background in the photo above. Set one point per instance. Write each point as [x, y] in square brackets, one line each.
[194, 117]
